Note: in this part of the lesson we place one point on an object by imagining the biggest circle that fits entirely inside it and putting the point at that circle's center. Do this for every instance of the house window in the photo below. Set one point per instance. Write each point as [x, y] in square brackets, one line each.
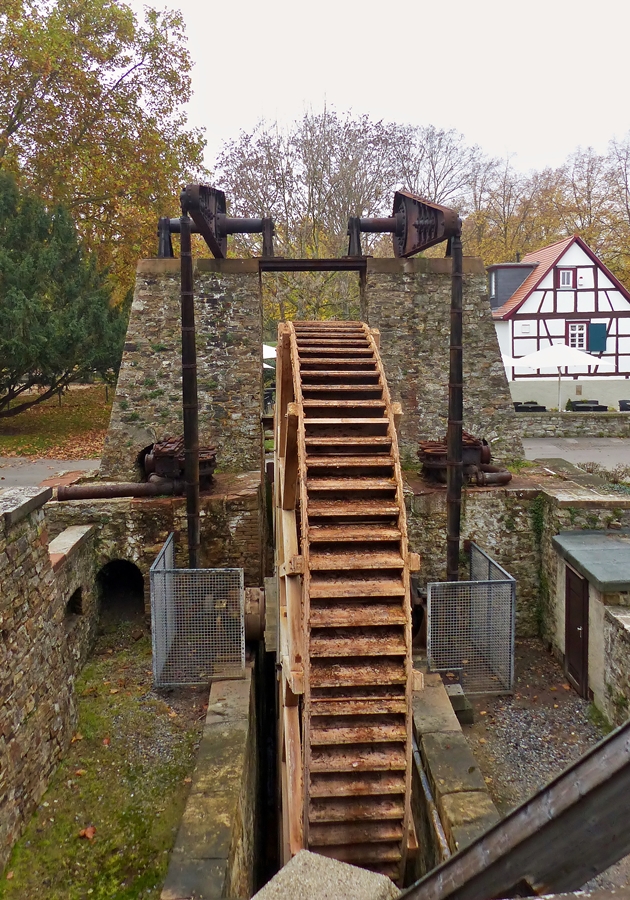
[577, 335]
[525, 328]
[493, 284]
[566, 278]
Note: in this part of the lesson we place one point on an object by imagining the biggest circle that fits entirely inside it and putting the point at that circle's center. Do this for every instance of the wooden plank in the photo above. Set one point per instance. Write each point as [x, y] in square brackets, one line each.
[365, 784]
[343, 404]
[367, 732]
[361, 758]
[354, 833]
[351, 809]
[359, 854]
[340, 421]
[374, 706]
[293, 753]
[327, 673]
[330, 462]
[565, 835]
[389, 587]
[354, 507]
[368, 559]
[284, 380]
[348, 533]
[375, 645]
[289, 485]
[351, 484]
[334, 616]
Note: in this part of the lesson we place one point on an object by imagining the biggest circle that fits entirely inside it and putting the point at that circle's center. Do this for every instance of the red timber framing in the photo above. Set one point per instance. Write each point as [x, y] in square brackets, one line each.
[549, 309]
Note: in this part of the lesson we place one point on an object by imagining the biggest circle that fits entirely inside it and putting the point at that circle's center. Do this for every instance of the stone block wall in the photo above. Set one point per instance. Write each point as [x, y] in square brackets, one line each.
[573, 424]
[499, 520]
[148, 402]
[616, 703]
[40, 654]
[409, 302]
[232, 527]
[74, 564]
[215, 849]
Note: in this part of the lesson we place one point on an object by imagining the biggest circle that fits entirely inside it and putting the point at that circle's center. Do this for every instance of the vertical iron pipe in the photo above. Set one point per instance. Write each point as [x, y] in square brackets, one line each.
[455, 417]
[189, 394]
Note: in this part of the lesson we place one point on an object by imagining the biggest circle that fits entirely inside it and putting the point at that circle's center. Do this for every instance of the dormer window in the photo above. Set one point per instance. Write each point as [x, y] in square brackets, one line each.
[493, 284]
[566, 279]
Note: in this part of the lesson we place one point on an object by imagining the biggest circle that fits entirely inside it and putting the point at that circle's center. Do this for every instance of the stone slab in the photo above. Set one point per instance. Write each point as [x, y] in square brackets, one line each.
[17, 503]
[432, 710]
[603, 557]
[70, 539]
[466, 816]
[309, 875]
[450, 765]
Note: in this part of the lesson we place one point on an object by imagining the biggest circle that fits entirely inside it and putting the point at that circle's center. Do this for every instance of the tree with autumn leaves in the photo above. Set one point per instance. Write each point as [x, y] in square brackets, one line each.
[92, 118]
[94, 148]
[328, 166]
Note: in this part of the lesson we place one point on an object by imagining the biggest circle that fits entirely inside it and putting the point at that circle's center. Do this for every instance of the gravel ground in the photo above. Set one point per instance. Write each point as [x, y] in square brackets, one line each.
[522, 742]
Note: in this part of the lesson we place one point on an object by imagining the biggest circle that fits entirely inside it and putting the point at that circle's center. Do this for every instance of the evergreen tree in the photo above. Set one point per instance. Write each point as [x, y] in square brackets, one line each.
[57, 324]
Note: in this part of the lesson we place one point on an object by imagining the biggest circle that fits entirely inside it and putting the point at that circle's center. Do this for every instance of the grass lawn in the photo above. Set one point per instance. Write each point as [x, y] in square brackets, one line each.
[106, 825]
[74, 429]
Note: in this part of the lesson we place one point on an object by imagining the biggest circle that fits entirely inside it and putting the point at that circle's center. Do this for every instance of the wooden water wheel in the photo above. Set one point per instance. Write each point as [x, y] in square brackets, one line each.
[344, 609]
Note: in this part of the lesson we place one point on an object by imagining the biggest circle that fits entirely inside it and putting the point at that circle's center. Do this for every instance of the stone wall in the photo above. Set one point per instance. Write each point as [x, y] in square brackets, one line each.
[148, 402]
[41, 651]
[573, 424]
[232, 527]
[409, 302]
[215, 850]
[499, 520]
[617, 671]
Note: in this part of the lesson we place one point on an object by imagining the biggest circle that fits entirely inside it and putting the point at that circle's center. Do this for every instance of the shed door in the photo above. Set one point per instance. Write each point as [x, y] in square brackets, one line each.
[576, 633]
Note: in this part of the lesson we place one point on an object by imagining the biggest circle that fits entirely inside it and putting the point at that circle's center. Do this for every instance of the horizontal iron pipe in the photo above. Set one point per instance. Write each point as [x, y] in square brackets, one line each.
[120, 489]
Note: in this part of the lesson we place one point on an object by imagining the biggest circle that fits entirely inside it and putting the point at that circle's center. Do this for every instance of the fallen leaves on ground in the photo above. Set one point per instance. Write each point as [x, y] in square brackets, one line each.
[88, 832]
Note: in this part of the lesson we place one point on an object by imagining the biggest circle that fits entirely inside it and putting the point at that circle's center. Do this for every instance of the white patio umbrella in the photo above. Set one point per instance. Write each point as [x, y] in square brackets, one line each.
[269, 352]
[561, 356]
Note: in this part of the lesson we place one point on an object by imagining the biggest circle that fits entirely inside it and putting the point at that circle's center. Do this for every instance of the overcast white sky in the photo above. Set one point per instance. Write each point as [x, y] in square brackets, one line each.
[534, 78]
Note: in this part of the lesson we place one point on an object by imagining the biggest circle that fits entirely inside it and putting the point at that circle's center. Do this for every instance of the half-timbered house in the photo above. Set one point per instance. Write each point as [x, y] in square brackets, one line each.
[562, 294]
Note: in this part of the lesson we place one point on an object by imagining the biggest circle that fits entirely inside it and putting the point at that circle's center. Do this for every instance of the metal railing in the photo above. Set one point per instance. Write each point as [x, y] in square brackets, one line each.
[197, 622]
[470, 630]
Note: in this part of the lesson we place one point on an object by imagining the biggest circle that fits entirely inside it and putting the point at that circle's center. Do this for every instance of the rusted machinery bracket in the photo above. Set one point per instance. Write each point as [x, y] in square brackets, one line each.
[415, 225]
[566, 834]
[207, 208]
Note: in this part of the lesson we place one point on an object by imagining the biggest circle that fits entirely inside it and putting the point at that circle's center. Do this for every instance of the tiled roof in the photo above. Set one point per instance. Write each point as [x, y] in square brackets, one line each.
[544, 260]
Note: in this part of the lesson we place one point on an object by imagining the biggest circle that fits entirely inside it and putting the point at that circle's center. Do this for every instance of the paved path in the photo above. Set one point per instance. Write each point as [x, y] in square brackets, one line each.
[608, 452]
[22, 471]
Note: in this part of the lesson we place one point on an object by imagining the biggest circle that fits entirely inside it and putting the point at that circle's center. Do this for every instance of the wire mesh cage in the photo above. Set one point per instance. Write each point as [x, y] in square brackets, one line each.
[197, 622]
[471, 627]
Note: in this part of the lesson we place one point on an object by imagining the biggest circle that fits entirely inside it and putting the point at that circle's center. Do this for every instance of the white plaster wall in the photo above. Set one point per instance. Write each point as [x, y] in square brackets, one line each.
[561, 580]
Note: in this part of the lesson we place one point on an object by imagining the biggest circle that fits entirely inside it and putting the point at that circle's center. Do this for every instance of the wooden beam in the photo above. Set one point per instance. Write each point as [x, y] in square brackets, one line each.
[565, 835]
[289, 487]
[293, 755]
[284, 380]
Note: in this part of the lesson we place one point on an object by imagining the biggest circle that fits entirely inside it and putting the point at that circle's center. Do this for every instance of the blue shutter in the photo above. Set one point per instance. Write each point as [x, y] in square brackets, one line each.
[596, 338]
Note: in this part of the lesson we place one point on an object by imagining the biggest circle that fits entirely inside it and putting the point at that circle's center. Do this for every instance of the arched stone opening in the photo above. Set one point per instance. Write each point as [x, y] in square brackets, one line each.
[121, 592]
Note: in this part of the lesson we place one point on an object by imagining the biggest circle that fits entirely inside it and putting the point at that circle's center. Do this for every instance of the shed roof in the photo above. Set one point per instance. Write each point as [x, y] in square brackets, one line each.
[602, 557]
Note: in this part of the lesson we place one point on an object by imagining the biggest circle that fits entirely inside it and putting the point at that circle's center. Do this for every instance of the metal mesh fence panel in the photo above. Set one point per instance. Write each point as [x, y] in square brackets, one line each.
[197, 622]
[471, 627]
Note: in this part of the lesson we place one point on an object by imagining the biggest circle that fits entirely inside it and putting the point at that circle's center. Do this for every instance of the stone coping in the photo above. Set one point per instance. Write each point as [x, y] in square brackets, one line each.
[464, 805]
[620, 615]
[204, 846]
[67, 543]
[473, 265]
[17, 503]
[602, 557]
